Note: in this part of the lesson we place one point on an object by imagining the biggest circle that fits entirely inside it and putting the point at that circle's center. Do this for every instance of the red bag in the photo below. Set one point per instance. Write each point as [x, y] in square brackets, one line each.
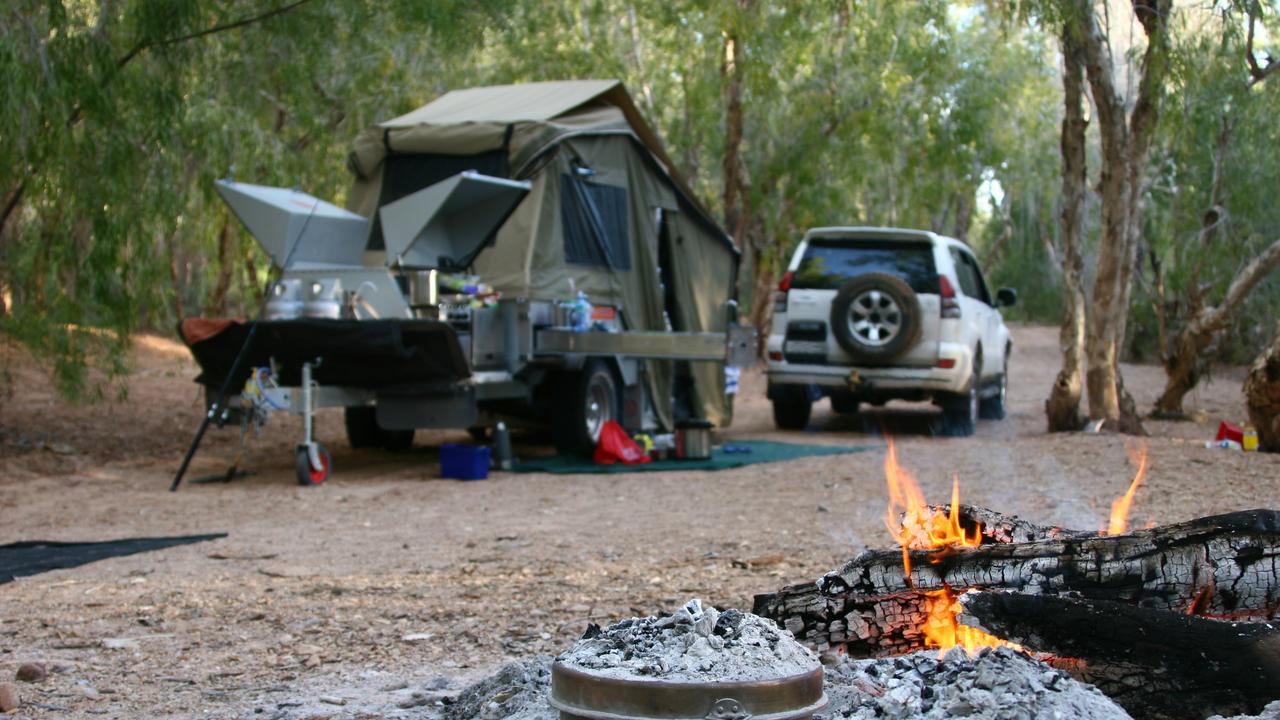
[1230, 431]
[615, 446]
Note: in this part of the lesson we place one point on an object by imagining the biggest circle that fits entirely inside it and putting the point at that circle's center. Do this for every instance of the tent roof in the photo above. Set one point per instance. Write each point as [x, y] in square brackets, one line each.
[543, 102]
[533, 102]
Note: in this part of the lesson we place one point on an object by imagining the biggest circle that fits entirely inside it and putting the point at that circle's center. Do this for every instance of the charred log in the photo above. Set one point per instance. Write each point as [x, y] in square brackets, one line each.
[871, 606]
[1154, 663]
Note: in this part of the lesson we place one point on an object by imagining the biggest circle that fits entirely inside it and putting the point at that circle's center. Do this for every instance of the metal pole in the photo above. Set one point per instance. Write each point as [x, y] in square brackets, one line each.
[312, 455]
[216, 408]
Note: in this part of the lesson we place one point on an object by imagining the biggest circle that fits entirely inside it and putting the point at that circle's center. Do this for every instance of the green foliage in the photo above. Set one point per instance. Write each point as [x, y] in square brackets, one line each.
[117, 117]
[1211, 91]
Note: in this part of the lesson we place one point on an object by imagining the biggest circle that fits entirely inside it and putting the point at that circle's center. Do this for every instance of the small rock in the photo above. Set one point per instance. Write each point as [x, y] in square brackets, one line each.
[32, 672]
[440, 682]
[394, 686]
[417, 699]
[332, 700]
[62, 448]
[119, 643]
[417, 637]
[9, 699]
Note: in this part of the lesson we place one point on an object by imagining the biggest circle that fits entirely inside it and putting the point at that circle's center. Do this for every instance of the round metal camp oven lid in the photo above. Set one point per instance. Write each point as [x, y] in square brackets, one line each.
[581, 693]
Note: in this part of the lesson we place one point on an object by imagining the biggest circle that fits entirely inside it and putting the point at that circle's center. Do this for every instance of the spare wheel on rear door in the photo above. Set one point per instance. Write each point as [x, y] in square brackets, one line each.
[876, 317]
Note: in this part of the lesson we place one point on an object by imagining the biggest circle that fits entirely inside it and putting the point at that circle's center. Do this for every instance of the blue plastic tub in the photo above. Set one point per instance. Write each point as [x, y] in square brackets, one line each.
[464, 462]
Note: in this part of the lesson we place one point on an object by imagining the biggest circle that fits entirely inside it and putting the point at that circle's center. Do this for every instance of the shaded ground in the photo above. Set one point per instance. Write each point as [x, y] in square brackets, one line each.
[389, 581]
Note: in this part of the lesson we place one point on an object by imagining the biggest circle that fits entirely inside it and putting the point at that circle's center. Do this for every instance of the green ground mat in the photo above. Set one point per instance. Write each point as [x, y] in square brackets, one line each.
[762, 451]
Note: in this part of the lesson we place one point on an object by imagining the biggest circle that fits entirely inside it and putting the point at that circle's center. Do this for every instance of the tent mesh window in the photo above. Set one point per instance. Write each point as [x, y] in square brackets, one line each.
[407, 174]
[596, 231]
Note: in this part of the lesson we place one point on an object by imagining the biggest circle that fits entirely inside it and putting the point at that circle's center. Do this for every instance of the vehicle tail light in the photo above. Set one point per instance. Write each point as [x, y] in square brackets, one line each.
[780, 297]
[946, 363]
[950, 304]
[775, 356]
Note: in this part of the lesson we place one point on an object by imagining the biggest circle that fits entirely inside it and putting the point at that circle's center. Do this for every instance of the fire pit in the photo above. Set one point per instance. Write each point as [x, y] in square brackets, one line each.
[1169, 621]
[695, 664]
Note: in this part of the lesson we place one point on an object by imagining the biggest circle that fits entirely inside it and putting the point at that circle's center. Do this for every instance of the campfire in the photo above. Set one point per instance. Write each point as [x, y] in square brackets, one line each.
[918, 526]
[1169, 621]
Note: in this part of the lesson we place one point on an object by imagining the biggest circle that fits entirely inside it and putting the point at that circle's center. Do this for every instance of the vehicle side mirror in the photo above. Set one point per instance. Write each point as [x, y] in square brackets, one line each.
[1006, 297]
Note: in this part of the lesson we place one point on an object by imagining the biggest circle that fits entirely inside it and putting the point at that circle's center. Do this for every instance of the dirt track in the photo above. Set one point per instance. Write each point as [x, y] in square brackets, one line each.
[387, 580]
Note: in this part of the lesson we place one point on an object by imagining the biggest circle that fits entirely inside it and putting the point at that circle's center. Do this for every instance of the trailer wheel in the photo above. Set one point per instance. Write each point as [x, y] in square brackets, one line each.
[587, 400]
[397, 440]
[362, 427]
[308, 475]
[363, 431]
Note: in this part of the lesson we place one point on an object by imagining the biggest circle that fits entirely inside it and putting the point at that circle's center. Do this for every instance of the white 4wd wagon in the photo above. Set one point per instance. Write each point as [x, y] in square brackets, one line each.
[874, 314]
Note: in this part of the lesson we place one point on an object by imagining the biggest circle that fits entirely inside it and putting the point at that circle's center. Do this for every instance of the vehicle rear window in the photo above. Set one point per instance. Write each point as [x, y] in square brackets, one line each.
[828, 263]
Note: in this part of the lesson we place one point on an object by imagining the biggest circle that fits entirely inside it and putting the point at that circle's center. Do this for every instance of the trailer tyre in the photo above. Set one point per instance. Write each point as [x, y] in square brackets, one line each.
[362, 427]
[585, 402]
[363, 431]
[308, 475]
[397, 440]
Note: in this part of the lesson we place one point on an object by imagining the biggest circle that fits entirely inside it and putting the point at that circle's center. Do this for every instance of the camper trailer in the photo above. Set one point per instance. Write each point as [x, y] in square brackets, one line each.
[522, 252]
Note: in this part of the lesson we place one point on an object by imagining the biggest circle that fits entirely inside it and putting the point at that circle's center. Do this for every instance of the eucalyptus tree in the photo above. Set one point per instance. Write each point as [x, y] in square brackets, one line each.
[117, 115]
[1219, 215]
[1126, 130]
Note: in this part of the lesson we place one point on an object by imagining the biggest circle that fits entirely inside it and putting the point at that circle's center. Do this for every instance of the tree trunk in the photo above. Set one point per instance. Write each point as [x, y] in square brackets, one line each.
[1062, 408]
[12, 201]
[1262, 396]
[1126, 145]
[1101, 346]
[175, 277]
[735, 196]
[872, 607]
[1154, 663]
[217, 306]
[1185, 363]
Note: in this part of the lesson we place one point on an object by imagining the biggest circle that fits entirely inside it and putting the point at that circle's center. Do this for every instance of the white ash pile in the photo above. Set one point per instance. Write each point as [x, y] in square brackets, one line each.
[694, 644]
[1270, 712]
[517, 691]
[996, 684]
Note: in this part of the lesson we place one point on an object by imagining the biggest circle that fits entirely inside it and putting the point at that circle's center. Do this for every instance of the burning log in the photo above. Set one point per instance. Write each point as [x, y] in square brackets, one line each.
[1154, 663]
[874, 606]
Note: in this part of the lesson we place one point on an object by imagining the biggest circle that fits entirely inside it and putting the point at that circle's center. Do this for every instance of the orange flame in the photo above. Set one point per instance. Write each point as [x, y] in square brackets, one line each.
[1120, 506]
[916, 526]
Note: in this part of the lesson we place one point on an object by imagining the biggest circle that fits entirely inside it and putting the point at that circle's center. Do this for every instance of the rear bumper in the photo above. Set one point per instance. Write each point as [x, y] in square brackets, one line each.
[886, 380]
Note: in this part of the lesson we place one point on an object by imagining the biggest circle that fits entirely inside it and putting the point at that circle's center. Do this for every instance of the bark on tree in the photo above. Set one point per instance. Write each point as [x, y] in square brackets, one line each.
[1262, 396]
[1062, 408]
[1154, 663]
[175, 277]
[735, 196]
[872, 607]
[1126, 145]
[217, 306]
[1186, 359]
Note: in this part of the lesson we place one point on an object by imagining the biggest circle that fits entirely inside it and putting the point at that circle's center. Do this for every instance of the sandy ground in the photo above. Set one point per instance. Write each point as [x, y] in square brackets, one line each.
[346, 600]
